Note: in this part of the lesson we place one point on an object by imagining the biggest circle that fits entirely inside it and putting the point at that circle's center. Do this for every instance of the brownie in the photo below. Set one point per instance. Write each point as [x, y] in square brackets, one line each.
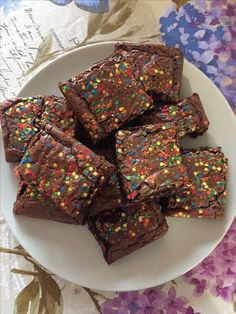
[127, 229]
[32, 203]
[19, 120]
[205, 195]
[65, 170]
[108, 198]
[105, 97]
[188, 116]
[149, 161]
[22, 118]
[56, 112]
[159, 68]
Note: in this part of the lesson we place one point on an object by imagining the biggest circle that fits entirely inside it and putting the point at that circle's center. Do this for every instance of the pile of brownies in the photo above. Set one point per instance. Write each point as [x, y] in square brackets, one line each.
[108, 152]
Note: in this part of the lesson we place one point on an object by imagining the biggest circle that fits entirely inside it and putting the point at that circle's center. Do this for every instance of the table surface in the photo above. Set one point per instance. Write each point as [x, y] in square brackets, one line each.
[32, 34]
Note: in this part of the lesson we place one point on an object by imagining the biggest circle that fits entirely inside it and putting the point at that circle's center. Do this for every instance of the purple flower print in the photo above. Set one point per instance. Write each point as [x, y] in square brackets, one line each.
[174, 305]
[207, 38]
[146, 306]
[190, 310]
[154, 294]
[151, 301]
[200, 286]
[224, 291]
[126, 302]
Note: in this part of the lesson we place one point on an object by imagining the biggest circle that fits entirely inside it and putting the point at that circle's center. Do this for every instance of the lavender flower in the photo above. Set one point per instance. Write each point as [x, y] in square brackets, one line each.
[174, 305]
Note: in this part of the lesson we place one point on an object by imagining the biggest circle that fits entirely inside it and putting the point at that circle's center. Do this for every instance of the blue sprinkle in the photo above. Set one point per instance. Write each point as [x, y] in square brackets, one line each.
[78, 206]
[49, 144]
[134, 161]
[134, 186]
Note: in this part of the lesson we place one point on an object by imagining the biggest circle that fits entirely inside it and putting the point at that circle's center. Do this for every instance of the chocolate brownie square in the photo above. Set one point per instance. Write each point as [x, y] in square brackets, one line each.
[56, 112]
[105, 97]
[32, 203]
[205, 195]
[188, 116]
[65, 170]
[159, 68]
[22, 118]
[127, 229]
[19, 121]
[108, 198]
[149, 161]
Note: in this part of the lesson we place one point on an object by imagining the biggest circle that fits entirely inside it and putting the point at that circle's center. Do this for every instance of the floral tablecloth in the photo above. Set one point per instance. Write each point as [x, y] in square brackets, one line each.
[34, 32]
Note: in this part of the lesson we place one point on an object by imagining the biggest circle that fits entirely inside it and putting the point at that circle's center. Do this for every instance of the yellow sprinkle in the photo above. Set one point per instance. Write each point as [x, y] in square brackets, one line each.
[180, 214]
[55, 165]
[118, 200]
[125, 225]
[178, 162]
[95, 173]
[62, 121]
[28, 165]
[90, 168]
[196, 164]
[158, 143]
[133, 234]
[186, 207]
[70, 189]
[225, 193]
[17, 132]
[134, 169]
[117, 65]
[170, 82]
[116, 120]
[195, 173]
[161, 164]
[147, 104]
[163, 127]
[77, 212]
[155, 70]
[62, 204]
[177, 200]
[76, 177]
[166, 171]
[142, 177]
[85, 194]
[83, 87]
[140, 218]
[141, 78]
[150, 149]
[122, 214]
[103, 117]
[188, 192]
[32, 194]
[218, 168]
[200, 211]
[121, 108]
[174, 113]
[73, 173]
[201, 163]
[206, 169]
[119, 150]
[111, 74]
[161, 72]
[62, 170]
[60, 154]
[206, 164]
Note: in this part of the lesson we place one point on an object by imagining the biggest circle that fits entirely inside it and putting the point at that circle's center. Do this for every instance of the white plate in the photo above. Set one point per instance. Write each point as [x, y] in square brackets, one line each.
[71, 251]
